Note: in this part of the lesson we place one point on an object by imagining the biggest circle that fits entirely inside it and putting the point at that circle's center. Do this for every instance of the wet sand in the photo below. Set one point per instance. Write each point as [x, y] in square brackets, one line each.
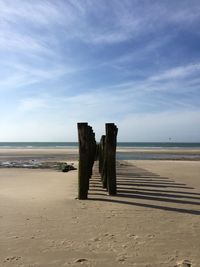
[154, 220]
[68, 154]
[39, 154]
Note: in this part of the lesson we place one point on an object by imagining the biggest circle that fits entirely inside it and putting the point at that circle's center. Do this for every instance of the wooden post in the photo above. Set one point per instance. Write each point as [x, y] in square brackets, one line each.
[103, 161]
[83, 178]
[101, 153]
[92, 149]
[110, 152]
[97, 149]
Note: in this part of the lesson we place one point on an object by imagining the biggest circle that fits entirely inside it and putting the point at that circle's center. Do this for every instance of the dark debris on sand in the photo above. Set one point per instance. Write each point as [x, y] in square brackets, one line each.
[34, 164]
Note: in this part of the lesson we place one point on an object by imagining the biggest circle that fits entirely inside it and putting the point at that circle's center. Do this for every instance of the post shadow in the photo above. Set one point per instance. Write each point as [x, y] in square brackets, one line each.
[140, 185]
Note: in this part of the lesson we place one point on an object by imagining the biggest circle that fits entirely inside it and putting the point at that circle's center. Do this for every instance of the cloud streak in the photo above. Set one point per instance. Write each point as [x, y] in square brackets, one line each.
[178, 72]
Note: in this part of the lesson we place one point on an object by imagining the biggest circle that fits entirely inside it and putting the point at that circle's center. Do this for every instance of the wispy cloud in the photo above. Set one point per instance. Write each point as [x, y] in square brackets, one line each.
[32, 104]
[29, 45]
[178, 72]
[121, 20]
[39, 12]
[24, 74]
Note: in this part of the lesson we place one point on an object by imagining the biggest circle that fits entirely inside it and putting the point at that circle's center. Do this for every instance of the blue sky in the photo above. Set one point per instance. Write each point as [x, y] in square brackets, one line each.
[135, 63]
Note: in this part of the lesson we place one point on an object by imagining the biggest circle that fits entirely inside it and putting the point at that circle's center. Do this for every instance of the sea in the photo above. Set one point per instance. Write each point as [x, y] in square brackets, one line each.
[134, 150]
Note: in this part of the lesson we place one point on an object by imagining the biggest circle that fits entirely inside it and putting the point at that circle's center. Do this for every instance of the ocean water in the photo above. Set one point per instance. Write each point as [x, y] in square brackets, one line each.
[159, 145]
[146, 145]
[38, 145]
[172, 148]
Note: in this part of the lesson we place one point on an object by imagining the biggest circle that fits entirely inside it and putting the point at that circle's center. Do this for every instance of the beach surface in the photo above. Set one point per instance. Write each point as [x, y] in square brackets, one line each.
[39, 154]
[123, 153]
[154, 220]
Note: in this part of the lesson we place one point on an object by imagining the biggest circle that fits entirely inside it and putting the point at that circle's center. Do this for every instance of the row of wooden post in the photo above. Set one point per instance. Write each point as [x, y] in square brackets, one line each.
[105, 152]
[87, 153]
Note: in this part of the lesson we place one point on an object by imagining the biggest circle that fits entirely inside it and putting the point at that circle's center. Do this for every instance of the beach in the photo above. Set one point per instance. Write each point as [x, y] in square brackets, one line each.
[152, 222]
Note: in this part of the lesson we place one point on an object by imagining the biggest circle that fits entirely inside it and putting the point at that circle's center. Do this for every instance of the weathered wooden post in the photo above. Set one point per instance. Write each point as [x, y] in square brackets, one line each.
[103, 161]
[92, 149]
[89, 153]
[97, 149]
[83, 178]
[110, 154]
[101, 153]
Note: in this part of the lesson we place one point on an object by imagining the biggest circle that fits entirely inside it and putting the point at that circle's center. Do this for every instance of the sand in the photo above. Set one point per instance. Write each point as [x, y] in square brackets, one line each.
[154, 221]
[186, 151]
[39, 154]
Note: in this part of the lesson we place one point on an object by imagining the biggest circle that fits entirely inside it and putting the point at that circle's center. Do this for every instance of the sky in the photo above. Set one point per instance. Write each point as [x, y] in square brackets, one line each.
[133, 62]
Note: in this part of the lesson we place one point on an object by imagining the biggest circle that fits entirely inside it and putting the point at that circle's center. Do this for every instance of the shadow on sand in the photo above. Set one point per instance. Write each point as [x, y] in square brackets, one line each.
[139, 187]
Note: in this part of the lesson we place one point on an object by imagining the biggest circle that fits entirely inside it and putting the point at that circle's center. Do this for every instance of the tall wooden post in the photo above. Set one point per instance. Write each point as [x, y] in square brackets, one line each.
[83, 178]
[110, 152]
[92, 149]
[101, 153]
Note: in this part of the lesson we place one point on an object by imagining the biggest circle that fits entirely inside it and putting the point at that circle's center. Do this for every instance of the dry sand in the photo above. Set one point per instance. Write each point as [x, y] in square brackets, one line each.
[154, 221]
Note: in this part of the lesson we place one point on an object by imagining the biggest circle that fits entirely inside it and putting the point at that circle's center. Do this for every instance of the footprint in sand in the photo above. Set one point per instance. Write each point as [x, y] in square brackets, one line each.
[121, 258]
[80, 260]
[132, 236]
[150, 236]
[95, 239]
[109, 236]
[12, 258]
[184, 263]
